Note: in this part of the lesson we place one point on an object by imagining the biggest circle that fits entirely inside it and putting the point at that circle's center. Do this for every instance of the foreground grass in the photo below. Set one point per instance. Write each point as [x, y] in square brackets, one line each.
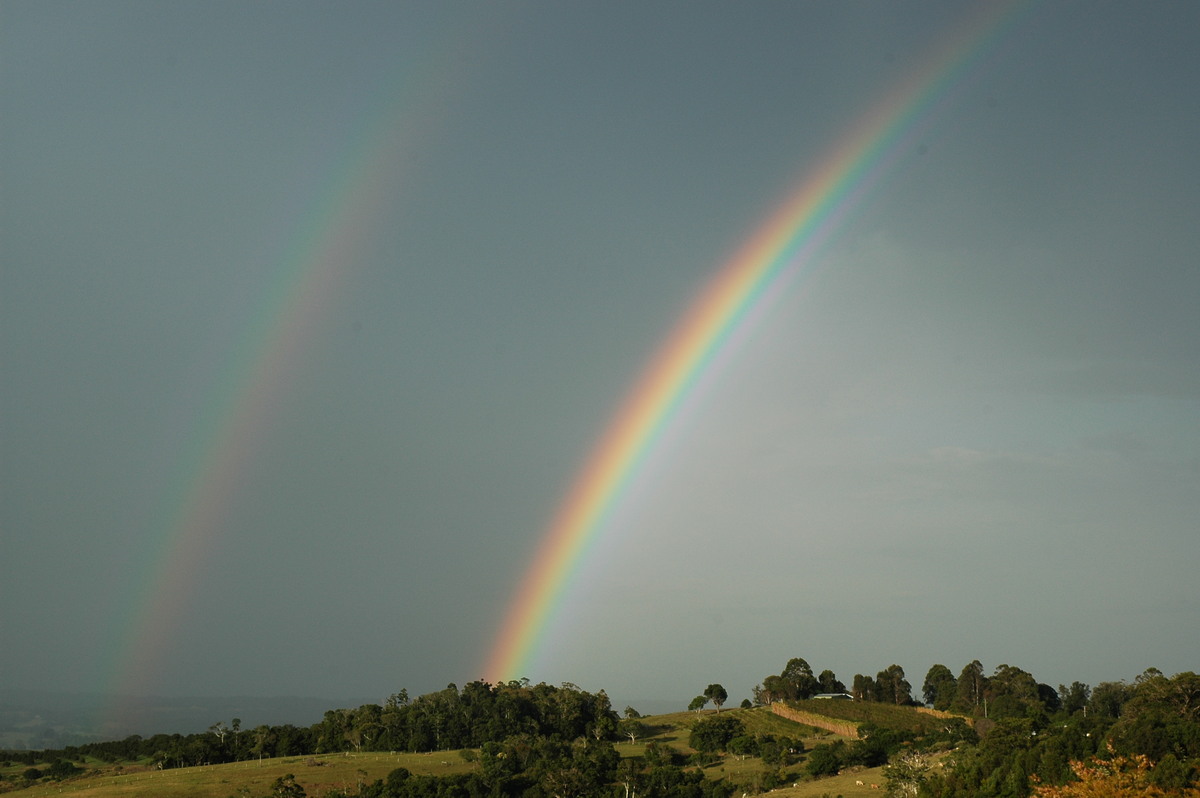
[317, 774]
[343, 773]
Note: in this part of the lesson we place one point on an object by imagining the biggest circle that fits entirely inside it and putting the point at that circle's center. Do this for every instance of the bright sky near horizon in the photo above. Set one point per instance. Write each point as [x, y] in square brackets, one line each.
[311, 313]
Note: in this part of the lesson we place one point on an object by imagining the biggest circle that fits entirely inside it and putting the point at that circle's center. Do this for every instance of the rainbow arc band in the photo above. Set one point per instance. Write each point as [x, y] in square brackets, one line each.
[806, 220]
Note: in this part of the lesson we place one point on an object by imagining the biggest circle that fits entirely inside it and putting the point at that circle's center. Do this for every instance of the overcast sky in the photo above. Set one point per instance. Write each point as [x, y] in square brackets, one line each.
[968, 429]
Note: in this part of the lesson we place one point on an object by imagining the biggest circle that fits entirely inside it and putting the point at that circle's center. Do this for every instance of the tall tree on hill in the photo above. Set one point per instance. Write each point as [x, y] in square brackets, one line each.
[602, 718]
[364, 726]
[1107, 699]
[1049, 698]
[264, 736]
[1161, 716]
[892, 687]
[331, 733]
[1012, 693]
[1179, 693]
[829, 682]
[939, 687]
[716, 694]
[1075, 697]
[864, 688]
[799, 678]
[773, 688]
[219, 730]
[795, 668]
[968, 694]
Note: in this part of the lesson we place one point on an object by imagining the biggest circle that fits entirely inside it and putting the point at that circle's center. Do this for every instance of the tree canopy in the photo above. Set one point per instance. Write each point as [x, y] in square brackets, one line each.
[716, 694]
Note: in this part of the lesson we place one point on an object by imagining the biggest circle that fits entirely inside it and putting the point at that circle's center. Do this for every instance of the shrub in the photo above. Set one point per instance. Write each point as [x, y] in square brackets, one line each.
[715, 732]
[62, 769]
[743, 745]
[825, 759]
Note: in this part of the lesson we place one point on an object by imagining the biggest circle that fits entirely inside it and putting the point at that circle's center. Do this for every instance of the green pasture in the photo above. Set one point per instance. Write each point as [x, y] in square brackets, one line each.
[253, 778]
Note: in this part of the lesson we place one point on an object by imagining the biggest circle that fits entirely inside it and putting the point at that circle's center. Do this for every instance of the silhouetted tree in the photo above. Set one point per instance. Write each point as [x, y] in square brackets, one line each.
[716, 694]
[939, 688]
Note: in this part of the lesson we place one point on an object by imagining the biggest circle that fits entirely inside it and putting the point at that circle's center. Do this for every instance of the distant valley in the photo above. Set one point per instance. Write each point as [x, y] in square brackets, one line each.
[38, 720]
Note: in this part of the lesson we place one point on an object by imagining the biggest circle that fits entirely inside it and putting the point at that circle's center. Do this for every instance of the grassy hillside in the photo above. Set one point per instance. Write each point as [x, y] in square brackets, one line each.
[675, 727]
[317, 774]
[321, 774]
[748, 772]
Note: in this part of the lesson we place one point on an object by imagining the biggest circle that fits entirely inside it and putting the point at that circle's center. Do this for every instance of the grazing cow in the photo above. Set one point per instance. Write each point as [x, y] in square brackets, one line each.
[874, 786]
[858, 783]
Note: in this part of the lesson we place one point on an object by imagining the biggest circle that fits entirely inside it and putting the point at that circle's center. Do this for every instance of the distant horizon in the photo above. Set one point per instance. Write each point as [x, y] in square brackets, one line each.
[86, 716]
[915, 678]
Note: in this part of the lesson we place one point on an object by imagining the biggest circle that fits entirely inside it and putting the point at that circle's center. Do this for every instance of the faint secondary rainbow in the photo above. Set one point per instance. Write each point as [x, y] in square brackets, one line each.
[232, 425]
[805, 221]
[320, 239]
[234, 422]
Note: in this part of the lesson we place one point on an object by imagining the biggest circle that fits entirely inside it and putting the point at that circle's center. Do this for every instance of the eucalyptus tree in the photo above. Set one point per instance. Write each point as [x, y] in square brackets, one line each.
[829, 682]
[968, 693]
[799, 677]
[939, 688]
[892, 687]
[716, 694]
[632, 728]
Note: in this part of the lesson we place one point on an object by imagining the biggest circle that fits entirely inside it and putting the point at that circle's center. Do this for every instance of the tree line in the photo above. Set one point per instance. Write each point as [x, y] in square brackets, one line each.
[530, 740]
[1009, 690]
[1002, 735]
[1011, 736]
[443, 720]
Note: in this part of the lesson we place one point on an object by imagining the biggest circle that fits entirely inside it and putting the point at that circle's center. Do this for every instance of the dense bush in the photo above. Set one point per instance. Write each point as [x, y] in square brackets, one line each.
[715, 732]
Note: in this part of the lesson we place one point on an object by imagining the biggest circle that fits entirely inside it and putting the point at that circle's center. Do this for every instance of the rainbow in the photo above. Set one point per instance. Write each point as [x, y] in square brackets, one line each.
[302, 266]
[247, 386]
[804, 222]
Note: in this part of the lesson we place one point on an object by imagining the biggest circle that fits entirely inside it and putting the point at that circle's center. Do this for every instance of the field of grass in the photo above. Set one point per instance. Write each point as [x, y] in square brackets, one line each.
[317, 774]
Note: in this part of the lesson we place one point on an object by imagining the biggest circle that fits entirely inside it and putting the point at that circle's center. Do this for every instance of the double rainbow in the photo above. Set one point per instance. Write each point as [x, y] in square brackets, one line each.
[806, 220]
